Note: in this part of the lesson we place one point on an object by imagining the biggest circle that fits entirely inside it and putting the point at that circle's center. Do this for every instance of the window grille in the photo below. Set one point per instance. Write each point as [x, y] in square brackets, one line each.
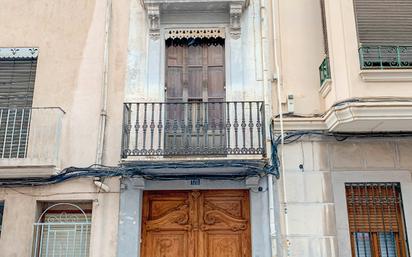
[17, 76]
[62, 233]
[376, 220]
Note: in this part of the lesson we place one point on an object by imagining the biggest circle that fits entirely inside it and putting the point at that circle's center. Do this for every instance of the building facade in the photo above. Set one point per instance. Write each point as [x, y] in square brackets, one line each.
[345, 165]
[221, 128]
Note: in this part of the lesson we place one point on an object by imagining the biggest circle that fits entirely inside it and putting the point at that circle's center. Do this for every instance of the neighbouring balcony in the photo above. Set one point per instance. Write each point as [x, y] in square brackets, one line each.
[29, 137]
[193, 129]
[385, 57]
[324, 71]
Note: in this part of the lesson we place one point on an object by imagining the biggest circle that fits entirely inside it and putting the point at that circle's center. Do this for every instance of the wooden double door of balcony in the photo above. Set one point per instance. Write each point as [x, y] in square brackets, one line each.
[195, 83]
[196, 224]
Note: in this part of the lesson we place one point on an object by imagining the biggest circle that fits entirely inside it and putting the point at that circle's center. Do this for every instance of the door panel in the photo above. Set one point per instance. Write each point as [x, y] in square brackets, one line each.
[195, 75]
[163, 244]
[195, 89]
[196, 224]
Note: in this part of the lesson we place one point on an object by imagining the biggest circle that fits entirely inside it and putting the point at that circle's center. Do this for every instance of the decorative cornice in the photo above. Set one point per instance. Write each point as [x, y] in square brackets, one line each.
[195, 33]
[235, 11]
[22, 52]
[357, 117]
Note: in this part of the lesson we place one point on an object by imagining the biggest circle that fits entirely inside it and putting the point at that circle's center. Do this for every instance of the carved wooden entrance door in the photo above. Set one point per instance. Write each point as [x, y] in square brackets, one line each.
[196, 224]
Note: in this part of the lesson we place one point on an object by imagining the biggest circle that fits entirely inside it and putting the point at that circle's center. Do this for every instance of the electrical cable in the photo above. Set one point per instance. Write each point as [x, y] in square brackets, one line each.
[294, 136]
[147, 170]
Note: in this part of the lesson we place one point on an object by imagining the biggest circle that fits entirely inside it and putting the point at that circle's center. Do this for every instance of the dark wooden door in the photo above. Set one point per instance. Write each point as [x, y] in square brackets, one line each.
[195, 91]
[196, 224]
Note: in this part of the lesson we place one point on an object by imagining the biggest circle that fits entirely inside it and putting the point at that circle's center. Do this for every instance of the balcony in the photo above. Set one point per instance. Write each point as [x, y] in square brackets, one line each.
[324, 71]
[205, 129]
[385, 57]
[29, 141]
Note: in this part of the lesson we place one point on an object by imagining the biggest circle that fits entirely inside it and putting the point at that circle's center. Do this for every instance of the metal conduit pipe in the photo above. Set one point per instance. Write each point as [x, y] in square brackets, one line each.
[268, 71]
[103, 110]
[279, 81]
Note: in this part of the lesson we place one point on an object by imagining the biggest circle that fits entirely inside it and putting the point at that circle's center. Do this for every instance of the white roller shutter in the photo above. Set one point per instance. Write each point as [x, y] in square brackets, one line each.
[384, 22]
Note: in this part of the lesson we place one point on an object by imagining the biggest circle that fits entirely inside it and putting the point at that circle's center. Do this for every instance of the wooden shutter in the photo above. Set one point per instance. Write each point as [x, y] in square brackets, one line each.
[384, 22]
[373, 208]
[376, 221]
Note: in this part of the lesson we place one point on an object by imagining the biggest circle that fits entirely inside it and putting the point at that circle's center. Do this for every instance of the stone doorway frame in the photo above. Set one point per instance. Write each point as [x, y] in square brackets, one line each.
[130, 214]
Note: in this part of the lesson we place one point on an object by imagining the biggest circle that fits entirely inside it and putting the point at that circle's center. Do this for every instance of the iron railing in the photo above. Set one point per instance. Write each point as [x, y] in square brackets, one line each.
[193, 128]
[30, 133]
[385, 57]
[324, 70]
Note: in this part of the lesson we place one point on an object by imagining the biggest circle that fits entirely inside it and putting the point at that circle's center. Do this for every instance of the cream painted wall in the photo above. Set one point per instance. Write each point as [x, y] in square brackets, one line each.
[343, 46]
[21, 207]
[314, 195]
[301, 51]
[70, 37]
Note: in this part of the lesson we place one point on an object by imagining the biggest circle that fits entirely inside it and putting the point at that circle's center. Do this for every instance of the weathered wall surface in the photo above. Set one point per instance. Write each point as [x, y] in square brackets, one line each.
[316, 206]
[22, 211]
[243, 57]
[70, 36]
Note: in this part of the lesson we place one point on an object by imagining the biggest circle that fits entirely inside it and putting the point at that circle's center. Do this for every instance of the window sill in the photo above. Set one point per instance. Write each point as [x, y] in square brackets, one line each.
[325, 88]
[386, 75]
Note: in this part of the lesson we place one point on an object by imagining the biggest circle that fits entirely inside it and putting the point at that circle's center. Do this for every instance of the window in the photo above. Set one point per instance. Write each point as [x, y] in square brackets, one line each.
[376, 220]
[17, 76]
[1, 215]
[384, 33]
[63, 229]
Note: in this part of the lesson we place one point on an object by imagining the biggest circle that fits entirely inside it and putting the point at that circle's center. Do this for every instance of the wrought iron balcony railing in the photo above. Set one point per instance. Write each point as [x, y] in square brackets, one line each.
[193, 128]
[385, 57]
[30, 133]
[324, 70]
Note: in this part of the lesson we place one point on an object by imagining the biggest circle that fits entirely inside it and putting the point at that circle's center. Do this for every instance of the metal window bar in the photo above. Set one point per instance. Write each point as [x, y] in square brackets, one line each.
[14, 132]
[385, 57]
[193, 128]
[376, 220]
[62, 234]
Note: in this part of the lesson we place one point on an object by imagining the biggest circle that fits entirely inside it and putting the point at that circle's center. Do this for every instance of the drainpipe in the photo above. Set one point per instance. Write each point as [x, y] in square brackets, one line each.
[267, 86]
[103, 109]
[277, 53]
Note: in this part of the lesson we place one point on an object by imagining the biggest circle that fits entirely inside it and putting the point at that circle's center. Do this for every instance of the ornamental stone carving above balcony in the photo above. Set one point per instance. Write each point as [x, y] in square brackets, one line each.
[232, 9]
